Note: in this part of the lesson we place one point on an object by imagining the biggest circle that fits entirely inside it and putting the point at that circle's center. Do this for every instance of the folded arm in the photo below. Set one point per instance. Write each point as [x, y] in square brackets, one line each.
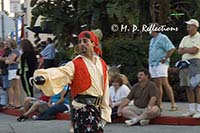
[192, 50]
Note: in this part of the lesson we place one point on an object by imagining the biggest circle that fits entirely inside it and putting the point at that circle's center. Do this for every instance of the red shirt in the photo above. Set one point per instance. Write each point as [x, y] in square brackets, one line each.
[1, 52]
[44, 98]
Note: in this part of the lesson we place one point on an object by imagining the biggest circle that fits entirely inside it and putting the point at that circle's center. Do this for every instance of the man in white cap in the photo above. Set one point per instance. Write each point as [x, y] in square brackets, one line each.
[190, 77]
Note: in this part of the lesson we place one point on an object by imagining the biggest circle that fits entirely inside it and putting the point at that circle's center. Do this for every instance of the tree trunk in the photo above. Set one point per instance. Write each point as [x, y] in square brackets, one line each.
[164, 11]
[151, 10]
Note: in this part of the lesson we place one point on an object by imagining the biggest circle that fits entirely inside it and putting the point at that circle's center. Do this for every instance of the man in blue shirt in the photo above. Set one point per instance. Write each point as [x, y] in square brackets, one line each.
[160, 50]
[48, 54]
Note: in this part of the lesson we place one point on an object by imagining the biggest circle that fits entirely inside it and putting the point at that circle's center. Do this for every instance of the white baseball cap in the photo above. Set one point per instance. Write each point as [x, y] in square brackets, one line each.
[193, 22]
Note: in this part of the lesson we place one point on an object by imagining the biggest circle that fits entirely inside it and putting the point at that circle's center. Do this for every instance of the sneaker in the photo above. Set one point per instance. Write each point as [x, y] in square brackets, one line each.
[188, 114]
[144, 122]
[196, 115]
[34, 117]
[131, 122]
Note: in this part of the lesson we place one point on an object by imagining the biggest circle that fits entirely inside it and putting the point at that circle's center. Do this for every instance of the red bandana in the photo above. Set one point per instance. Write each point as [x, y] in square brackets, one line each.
[93, 38]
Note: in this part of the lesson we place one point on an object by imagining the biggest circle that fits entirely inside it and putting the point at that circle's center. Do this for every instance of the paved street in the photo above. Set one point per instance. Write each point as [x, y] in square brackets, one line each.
[8, 124]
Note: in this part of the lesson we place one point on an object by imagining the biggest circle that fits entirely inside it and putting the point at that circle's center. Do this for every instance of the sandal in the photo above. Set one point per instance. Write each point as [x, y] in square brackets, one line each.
[175, 108]
[22, 118]
[9, 106]
[17, 107]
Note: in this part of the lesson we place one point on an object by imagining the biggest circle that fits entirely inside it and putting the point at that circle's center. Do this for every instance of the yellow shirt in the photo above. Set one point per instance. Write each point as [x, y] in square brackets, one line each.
[188, 42]
[57, 78]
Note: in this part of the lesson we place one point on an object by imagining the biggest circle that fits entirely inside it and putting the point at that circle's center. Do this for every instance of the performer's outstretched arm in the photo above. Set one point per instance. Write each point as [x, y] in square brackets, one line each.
[54, 78]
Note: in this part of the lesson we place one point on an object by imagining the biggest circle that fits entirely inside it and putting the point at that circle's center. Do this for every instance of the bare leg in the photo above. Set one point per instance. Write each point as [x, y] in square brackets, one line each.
[16, 88]
[10, 96]
[197, 90]
[27, 101]
[197, 114]
[146, 115]
[33, 108]
[149, 114]
[168, 90]
[71, 130]
[190, 95]
[160, 90]
[18, 92]
[191, 99]
[127, 113]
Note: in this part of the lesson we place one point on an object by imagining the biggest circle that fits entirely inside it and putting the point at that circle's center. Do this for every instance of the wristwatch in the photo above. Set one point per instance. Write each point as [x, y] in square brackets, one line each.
[164, 58]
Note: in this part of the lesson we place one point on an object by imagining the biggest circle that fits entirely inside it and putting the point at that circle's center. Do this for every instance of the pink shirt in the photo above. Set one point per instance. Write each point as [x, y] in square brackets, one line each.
[1, 52]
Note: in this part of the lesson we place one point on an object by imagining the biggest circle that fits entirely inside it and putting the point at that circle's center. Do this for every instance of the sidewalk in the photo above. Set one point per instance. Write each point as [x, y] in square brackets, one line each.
[182, 108]
[8, 124]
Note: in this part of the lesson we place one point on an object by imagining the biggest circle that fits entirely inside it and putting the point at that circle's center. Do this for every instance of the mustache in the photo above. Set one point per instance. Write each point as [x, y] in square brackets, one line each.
[80, 51]
[82, 46]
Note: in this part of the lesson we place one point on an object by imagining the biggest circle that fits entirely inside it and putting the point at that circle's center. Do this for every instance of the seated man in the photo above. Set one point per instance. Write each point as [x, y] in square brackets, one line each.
[145, 99]
[32, 104]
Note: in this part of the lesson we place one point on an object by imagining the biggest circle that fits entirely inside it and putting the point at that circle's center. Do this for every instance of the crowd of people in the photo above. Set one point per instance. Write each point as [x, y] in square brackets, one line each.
[98, 97]
[21, 63]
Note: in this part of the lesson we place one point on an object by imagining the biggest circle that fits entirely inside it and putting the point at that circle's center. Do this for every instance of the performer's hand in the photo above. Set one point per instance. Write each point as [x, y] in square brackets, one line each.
[39, 80]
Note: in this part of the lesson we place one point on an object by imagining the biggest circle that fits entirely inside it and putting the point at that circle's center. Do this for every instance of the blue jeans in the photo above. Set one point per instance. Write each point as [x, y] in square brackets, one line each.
[50, 113]
[114, 113]
[5, 81]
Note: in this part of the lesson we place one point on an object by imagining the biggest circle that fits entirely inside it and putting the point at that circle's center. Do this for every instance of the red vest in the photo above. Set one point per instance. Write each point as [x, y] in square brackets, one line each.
[82, 80]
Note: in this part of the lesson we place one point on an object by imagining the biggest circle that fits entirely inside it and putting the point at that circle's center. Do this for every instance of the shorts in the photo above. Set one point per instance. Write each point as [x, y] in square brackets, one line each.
[43, 106]
[137, 110]
[184, 77]
[159, 71]
[12, 74]
[5, 81]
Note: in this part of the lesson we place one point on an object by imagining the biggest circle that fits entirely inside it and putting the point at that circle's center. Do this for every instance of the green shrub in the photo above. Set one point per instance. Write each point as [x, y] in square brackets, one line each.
[131, 53]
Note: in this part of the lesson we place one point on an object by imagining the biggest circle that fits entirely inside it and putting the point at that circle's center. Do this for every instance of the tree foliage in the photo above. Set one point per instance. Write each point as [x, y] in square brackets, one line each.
[65, 17]
[57, 16]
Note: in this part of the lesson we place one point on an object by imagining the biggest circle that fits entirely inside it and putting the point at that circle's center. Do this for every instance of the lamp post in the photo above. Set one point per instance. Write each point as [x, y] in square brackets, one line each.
[2, 20]
[16, 27]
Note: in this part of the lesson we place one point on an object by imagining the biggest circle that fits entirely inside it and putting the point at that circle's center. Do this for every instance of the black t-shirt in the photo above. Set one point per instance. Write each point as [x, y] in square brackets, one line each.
[30, 59]
[4, 66]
